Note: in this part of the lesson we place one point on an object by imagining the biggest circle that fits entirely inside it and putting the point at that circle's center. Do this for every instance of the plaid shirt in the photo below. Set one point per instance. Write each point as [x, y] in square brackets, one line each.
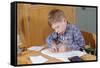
[72, 38]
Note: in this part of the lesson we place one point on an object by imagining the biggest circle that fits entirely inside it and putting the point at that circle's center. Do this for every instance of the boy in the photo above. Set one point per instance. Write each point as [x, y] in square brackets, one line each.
[65, 37]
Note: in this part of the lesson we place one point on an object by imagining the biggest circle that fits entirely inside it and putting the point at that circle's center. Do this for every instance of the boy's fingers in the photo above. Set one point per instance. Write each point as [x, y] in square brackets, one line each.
[54, 49]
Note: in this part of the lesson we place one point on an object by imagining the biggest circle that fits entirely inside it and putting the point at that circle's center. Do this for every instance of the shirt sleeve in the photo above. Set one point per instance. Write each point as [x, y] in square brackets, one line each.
[78, 40]
[50, 38]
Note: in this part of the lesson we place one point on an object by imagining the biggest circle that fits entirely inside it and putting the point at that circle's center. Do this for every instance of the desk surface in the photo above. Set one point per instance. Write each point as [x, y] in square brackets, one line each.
[24, 57]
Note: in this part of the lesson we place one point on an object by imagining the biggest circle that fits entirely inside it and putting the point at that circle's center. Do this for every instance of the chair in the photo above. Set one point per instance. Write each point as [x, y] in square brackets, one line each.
[90, 41]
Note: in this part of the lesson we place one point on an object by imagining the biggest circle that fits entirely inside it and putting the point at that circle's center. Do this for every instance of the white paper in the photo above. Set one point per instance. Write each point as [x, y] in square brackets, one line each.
[35, 48]
[37, 59]
[63, 56]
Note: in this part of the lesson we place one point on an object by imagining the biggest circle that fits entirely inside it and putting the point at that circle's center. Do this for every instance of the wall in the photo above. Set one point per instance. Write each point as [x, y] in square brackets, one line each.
[86, 19]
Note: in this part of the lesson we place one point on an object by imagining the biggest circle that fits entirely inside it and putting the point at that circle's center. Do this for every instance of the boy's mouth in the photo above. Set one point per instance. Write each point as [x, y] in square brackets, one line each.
[60, 33]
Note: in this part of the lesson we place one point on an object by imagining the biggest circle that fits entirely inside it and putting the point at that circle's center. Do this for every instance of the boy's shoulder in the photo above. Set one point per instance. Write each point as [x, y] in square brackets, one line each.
[72, 26]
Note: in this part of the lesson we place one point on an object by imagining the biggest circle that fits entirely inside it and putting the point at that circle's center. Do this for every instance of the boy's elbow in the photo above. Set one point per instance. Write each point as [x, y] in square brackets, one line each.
[82, 44]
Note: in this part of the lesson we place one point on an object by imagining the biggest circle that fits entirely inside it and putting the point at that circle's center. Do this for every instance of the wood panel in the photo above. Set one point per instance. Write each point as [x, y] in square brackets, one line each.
[23, 24]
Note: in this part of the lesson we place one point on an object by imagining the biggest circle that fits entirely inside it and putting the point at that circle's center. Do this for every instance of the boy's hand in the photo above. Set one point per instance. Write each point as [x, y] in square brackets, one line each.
[54, 47]
[62, 48]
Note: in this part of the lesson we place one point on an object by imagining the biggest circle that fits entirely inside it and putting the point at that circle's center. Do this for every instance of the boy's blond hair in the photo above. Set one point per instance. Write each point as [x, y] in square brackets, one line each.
[55, 15]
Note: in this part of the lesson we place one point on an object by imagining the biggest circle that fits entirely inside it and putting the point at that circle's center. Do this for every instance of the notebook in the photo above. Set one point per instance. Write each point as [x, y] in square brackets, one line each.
[35, 48]
[37, 59]
[63, 56]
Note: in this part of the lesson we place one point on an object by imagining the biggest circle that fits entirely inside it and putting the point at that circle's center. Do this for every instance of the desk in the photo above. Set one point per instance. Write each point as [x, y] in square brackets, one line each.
[24, 57]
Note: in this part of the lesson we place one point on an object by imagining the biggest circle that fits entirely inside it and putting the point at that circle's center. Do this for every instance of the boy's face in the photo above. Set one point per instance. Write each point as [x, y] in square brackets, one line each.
[59, 27]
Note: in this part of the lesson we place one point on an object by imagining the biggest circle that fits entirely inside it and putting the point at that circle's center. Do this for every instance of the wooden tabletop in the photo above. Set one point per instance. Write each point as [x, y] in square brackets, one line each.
[23, 58]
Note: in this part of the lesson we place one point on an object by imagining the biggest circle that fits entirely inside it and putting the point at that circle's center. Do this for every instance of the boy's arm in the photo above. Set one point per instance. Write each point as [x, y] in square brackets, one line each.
[51, 43]
[49, 39]
[78, 39]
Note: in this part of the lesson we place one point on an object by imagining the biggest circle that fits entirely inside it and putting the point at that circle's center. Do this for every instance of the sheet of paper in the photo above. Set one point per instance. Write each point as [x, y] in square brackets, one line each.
[63, 56]
[38, 59]
[35, 48]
